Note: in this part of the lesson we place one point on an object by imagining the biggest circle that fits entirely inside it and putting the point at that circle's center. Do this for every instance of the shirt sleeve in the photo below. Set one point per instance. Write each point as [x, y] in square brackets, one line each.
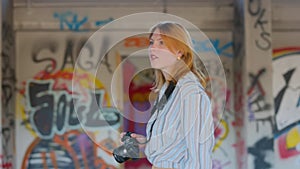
[198, 128]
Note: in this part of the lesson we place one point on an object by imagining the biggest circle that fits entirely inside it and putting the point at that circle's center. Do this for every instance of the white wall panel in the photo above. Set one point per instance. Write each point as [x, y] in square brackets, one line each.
[91, 18]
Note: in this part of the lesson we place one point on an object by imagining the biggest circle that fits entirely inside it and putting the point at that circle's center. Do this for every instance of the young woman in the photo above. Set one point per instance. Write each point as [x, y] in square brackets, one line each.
[180, 131]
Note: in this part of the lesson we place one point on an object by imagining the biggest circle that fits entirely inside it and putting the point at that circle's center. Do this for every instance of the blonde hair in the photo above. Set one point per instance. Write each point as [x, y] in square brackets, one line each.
[177, 38]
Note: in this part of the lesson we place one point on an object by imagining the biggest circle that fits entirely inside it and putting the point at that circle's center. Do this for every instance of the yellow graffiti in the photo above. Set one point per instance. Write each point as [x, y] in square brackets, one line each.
[292, 138]
[223, 136]
[23, 115]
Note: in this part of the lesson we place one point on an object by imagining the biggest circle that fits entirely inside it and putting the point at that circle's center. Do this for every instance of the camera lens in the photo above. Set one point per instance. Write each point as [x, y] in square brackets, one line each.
[119, 158]
[129, 150]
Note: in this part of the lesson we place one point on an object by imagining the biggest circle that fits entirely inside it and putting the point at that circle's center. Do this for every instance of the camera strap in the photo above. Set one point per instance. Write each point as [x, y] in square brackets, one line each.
[161, 103]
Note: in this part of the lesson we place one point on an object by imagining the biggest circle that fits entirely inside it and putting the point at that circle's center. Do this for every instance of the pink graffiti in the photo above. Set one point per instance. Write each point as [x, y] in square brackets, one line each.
[285, 151]
[238, 89]
[228, 99]
[217, 164]
[238, 122]
[241, 151]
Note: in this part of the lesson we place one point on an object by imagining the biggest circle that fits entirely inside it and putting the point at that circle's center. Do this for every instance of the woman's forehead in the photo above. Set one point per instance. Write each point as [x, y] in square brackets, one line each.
[157, 34]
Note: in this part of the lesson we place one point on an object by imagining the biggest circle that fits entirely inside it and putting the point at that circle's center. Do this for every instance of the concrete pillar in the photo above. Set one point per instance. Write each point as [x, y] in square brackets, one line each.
[254, 103]
[7, 86]
[0, 88]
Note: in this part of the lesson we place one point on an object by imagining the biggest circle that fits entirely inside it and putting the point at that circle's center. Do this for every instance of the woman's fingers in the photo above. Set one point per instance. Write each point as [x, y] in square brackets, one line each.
[138, 137]
[121, 136]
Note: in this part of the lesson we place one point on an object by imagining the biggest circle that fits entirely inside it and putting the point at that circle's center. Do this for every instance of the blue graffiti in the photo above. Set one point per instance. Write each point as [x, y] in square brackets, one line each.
[71, 21]
[103, 22]
[260, 150]
[204, 46]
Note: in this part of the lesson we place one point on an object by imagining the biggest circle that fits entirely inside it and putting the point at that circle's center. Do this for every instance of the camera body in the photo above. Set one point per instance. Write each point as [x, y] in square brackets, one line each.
[129, 150]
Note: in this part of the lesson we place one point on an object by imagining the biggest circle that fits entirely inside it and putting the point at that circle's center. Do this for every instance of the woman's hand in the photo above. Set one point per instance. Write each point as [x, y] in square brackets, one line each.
[140, 138]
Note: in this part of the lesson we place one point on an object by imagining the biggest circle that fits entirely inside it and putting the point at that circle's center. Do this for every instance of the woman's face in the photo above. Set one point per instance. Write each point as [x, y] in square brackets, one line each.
[160, 56]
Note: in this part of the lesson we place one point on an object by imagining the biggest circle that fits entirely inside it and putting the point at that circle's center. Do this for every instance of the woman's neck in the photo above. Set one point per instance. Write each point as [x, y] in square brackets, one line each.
[167, 76]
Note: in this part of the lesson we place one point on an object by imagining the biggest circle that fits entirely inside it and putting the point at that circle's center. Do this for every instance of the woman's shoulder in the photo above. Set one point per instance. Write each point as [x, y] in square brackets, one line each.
[190, 84]
[190, 80]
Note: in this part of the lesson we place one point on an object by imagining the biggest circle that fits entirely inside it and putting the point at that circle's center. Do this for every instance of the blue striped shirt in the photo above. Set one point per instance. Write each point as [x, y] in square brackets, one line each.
[182, 136]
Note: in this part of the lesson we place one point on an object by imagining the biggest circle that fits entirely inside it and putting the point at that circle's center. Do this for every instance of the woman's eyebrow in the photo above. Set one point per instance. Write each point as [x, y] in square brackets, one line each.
[156, 39]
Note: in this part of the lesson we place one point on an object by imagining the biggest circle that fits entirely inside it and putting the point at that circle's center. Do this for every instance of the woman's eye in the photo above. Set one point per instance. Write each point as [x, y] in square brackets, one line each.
[161, 42]
[151, 43]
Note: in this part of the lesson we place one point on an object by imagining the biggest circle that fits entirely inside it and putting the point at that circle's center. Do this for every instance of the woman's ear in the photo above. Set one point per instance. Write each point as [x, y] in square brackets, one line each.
[179, 54]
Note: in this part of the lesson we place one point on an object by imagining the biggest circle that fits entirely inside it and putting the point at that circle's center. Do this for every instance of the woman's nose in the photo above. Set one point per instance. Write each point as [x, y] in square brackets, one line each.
[154, 45]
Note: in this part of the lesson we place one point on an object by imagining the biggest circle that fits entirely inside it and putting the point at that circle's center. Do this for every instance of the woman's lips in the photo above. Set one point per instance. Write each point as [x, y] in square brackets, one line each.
[153, 57]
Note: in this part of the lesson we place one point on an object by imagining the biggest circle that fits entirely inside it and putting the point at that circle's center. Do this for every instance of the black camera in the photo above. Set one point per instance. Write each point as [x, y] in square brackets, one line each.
[129, 150]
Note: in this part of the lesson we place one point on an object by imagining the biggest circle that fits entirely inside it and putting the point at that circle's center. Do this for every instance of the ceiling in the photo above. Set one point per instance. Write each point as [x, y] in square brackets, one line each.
[148, 3]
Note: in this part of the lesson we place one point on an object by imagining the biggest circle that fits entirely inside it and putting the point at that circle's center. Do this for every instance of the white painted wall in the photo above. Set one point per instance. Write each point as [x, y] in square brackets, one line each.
[216, 21]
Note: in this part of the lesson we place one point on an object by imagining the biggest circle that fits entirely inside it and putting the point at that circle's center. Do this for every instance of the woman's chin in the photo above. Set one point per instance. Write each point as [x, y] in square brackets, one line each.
[155, 66]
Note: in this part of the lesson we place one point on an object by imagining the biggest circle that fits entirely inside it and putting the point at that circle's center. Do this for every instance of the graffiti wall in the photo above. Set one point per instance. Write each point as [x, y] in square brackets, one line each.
[225, 147]
[259, 105]
[57, 126]
[45, 99]
[286, 92]
[50, 135]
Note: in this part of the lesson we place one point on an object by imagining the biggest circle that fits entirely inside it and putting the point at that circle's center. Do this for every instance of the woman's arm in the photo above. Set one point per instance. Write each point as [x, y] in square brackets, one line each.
[198, 128]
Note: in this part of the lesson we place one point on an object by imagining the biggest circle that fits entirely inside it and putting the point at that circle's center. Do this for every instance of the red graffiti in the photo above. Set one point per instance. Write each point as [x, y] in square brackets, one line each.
[241, 151]
[77, 151]
[138, 42]
[217, 132]
[63, 82]
[238, 90]
[256, 82]
[238, 122]
[228, 99]
[5, 165]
